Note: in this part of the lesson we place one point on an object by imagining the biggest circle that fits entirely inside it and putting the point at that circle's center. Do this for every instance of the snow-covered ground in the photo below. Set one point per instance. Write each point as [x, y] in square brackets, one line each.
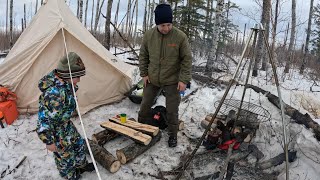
[21, 140]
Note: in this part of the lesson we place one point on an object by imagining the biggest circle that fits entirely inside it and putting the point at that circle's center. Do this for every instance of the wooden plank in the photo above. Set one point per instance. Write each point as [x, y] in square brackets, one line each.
[133, 150]
[145, 128]
[129, 132]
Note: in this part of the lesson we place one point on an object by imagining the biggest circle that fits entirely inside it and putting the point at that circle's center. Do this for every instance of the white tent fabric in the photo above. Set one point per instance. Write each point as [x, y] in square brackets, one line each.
[41, 46]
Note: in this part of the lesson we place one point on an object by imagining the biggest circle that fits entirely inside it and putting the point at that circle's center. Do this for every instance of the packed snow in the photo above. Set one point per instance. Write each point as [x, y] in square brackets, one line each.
[20, 139]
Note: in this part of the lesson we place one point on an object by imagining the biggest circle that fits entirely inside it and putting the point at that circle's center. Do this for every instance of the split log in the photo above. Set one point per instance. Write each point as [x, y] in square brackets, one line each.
[133, 150]
[298, 117]
[104, 157]
[131, 133]
[145, 128]
[104, 136]
[218, 117]
[205, 124]
[181, 125]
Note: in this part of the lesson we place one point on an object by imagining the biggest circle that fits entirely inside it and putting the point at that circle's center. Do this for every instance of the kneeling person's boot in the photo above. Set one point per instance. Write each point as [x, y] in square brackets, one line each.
[89, 167]
[172, 142]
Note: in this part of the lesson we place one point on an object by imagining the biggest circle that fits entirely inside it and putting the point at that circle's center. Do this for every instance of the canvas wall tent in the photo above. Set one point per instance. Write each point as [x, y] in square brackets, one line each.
[39, 49]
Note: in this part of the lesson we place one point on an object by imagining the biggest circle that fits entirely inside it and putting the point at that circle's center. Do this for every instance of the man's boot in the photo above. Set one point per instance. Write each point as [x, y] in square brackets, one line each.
[172, 142]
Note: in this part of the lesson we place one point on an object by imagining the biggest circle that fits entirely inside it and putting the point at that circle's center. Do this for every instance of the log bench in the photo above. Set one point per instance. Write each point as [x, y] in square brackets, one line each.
[113, 129]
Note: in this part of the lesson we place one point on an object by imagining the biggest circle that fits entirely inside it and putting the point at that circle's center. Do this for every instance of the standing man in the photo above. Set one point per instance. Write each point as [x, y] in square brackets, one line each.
[56, 106]
[165, 63]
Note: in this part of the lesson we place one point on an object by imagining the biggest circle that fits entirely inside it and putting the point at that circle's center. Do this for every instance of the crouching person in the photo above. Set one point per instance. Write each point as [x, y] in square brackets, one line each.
[54, 127]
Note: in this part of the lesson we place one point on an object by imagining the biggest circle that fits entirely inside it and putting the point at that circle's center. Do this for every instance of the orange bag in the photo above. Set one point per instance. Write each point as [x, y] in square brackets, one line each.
[6, 94]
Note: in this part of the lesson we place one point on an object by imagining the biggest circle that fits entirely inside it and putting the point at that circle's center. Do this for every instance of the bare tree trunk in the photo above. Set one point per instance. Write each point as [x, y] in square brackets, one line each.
[81, 10]
[244, 34]
[151, 18]
[265, 18]
[267, 34]
[7, 18]
[131, 21]
[11, 23]
[92, 13]
[306, 47]
[145, 16]
[292, 36]
[25, 15]
[96, 21]
[286, 36]
[128, 17]
[207, 19]
[22, 25]
[99, 7]
[135, 27]
[116, 15]
[78, 5]
[274, 29]
[36, 10]
[41, 2]
[107, 25]
[86, 14]
[148, 14]
[215, 39]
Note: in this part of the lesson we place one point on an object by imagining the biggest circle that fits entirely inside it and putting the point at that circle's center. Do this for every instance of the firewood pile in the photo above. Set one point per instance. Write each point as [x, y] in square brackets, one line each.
[144, 136]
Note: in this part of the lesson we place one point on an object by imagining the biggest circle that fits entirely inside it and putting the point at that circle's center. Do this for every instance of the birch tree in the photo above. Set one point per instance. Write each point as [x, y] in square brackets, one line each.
[306, 47]
[292, 36]
[80, 10]
[215, 39]
[274, 29]
[107, 25]
[207, 20]
[265, 19]
[151, 13]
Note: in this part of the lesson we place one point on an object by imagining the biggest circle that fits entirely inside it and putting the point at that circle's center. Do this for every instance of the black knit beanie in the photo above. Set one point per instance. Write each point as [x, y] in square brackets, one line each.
[76, 66]
[163, 14]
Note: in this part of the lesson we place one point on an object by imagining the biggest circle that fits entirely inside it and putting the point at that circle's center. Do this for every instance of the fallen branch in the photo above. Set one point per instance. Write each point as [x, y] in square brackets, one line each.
[298, 117]
[3, 174]
[124, 52]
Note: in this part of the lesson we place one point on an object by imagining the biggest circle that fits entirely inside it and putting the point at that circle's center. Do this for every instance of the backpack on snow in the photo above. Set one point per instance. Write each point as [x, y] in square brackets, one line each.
[159, 117]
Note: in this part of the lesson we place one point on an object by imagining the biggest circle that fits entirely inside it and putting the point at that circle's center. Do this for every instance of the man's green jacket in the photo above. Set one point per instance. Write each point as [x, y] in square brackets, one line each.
[166, 59]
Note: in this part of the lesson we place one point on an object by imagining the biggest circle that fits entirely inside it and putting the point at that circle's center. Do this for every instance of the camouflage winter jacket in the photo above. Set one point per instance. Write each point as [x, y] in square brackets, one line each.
[56, 105]
[166, 59]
